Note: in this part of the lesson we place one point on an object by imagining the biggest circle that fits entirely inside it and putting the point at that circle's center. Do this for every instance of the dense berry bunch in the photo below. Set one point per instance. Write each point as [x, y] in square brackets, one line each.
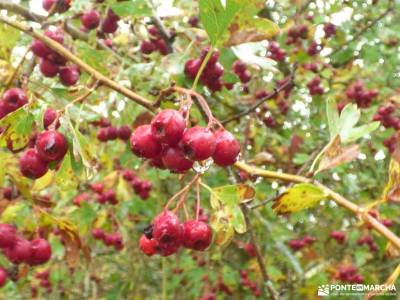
[349, 273]
[385, 115]
[141, 187]
[313, 67]
[248, 283]
[275, 52]
[296, 33]
[368, 241]
[19, 250]
[155, 43]
[167, 143]
[298, 244]
[314, 48]
[240, 69]
[167, 234]
[314, 86]
[338, 236]
[43, 278]
[212, 73]
[52, 63]
[111, 133]
[50, 147]
[391, 142]
[12, 99]
[109, 239]
[361, 95]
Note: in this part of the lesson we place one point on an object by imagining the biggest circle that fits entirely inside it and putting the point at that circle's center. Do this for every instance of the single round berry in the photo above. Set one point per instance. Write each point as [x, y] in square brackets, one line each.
[227, 148]
[3, 277]
[147, 47]
[79, 199]
[90, 20]
[98, 233]
[109, 25]
[56, 35]
[69, 75]
[20, 252]
[8, 193]
[194, 21]
[111, 197]
[40, 49]
[174, 159]
[112, 133]
[143, 143]
[49, 116]
[148, 246]
[8, 235]
[239, 67]
[51, 145]
[167, 229]
[31, 165]
[48, 68]
[198, 143]
[102, 135]
[124, 132]
[168, 127]
[41, 252]
[98, 187]
[162, 46]
[197, 235]
[14, 98]
[128, 175]
[192, 67]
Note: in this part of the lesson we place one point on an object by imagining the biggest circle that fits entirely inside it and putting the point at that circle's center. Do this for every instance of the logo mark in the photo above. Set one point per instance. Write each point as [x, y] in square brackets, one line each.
[323, 290]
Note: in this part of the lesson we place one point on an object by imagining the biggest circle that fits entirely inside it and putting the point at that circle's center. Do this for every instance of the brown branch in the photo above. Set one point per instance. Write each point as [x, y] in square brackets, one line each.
[262, 101]
[104, 80]
[260, 258]
[365, 29]
[340, 200]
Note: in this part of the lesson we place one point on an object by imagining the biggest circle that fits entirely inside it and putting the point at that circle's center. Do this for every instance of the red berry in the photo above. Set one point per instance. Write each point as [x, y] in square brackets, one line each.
[112, 133]
[245, 77]
[102, 135]
[109, 25]
[98, 233]
[227, 148]
[339, 236]
[128, 175]
[31, 165]
[101, 198]
[97, 187]
[14, 98]
[239, 67]
[174, 159]
[152, 30]
[157, 162]
[167, 230]
[69, 75]
[111, 197]
[162, 46]
[192, 67]
[41, 252]
[198, 143]
[148, 246]
[3, 277]
[194, 21]
[8, 235]
[197, 235]
[8, 193]
[20, 252]
[143, 143]
[48, 68]
[50, 115]
[78, 199]
[147, 47]
[91, 19]
[250, 250]
[56, 35]
[51, 145]
[40, 49]
[168, 126]
[124, 132]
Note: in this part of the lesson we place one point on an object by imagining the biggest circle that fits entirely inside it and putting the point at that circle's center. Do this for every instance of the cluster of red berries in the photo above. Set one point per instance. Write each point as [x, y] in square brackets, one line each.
[111, 133]
[329, 29]
[349, 274]
[246, 282]
[155, 43]
[52, 63]
[111, 239]
[169, 144]
[361, 95]
[369, 241]
[297, 33]
[44, 281]
[141, 187]
[314, 86]
[313, 67]
[240, 69]
[50, 147]
[288, 87]
[60, 6]
[298, 244]
[314, 48]
[338, 236]
[12, 99]
[91, 20]
[386, 117]
[19, 250]
[212, 73]
[391, 142]
[167, 234]
[275, 52]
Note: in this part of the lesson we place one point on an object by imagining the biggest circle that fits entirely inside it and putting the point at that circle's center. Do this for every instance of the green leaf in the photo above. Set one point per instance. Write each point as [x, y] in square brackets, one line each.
[299, 197]
[359, 132]
[65, 176]
[238, 220]
[94, 58]
[19, 125]
[8, 37]
[133, 8]
[348, 118]
[332, 116]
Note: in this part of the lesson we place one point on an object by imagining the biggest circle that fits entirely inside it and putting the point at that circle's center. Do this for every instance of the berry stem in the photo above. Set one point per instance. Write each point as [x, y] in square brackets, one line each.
[198, 199]
[202, 67]
[183, 190]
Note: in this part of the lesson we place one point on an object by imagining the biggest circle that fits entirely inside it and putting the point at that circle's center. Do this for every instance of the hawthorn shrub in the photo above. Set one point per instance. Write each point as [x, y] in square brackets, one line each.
[198, 150]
